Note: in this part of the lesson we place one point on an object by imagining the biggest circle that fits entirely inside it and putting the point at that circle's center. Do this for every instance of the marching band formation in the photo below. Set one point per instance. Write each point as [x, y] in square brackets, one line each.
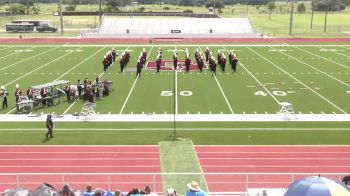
[99, 88]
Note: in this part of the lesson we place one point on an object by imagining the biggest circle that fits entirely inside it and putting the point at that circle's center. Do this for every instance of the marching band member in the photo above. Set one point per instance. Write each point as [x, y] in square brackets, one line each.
[4, 95]
[207, 53]
[159, 61]
[139, 66]
[18, 94]
[222, 62]
[30, 93]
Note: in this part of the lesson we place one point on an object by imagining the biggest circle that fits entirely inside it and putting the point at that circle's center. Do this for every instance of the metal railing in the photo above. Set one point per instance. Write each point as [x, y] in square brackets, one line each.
[231, 183]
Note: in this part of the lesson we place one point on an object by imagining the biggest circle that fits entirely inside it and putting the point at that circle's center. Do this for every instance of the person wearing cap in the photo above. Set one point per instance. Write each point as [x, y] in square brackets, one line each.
[4, 95]
[49, 126]
[194, 190]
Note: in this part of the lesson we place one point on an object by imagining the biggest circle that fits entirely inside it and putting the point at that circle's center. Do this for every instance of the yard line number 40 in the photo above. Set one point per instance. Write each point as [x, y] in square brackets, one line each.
[170, 93]
[277, 93]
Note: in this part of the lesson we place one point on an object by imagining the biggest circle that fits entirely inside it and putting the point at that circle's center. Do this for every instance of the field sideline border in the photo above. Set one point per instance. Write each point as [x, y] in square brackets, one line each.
[176, 45]
[182, 118]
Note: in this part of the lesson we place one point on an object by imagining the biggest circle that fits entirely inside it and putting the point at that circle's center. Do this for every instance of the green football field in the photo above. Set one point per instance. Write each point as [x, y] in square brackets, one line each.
[315, 79]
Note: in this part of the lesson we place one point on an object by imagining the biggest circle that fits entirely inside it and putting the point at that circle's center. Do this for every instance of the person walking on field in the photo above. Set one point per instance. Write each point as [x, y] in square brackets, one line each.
[49, 126]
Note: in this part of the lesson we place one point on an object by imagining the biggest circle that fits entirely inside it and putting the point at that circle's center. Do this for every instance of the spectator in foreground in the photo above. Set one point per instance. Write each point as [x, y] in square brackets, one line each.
[194, 190]
[89, 191]
[171, 192]
[66, 190]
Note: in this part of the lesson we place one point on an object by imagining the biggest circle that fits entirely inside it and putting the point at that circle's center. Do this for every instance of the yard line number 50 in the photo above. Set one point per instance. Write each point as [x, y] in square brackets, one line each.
[170, 93]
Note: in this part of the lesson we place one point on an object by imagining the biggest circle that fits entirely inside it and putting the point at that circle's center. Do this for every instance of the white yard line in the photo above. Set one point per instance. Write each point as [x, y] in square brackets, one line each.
[181, 129]
[46, 64]
[315, 68]
[200, 167]
[183, 45]
[222, 91]
[127, 98]
[257, 80]
[132, 88]
[176, 96]
[30, 57]
[5, 48]
[101, 74]
[8, 55]
[306, 86]
[322, 57]
[337, 53]
[81, 62]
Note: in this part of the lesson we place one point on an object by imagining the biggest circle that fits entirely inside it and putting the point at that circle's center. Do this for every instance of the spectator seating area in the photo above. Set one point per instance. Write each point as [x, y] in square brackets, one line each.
[174, 27]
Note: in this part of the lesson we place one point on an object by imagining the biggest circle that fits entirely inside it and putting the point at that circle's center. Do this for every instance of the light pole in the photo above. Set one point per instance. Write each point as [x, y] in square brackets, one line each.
[61, 17]
[11, 10]
[291, 19]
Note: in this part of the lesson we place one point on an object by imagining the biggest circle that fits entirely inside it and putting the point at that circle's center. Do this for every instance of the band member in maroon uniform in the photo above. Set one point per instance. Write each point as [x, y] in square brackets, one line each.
[144, 54]
[187, 63]
[175, 61]
[206, 52]
[30, 93]
[159, 62]
[114, 55]
[200, 63]
[139, 66]
[105, 63]
[212, 65]
[43, 95]
[223, 62]
[219, 56]
[127, 57]
[18, 94]
[234, 63]
[122, 63]
[4, 94]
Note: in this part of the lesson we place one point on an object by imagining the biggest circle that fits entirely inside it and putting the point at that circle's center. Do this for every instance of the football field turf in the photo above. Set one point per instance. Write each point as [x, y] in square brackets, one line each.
[315, 79]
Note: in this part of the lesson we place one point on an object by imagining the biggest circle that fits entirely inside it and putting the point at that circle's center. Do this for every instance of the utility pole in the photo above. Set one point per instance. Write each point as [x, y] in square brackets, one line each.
[100, 10]
[291, 19]
[325, 17]
[312, 12]
[11, 10]
[61, 17]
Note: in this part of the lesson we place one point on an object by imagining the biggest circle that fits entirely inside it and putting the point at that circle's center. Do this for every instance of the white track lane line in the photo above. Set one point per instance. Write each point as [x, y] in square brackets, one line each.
[200, 167]
[272, 63]
[132, 88]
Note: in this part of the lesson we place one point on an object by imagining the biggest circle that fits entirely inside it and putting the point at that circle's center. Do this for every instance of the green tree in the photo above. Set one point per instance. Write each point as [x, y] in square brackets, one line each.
[215, 3]
[301, 8]
[326, 6]
[186, 2]
[271, 6]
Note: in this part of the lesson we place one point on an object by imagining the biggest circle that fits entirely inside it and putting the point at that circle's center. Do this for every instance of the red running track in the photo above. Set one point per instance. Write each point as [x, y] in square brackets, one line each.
[81, 159]
[145, 159]
[268, 159]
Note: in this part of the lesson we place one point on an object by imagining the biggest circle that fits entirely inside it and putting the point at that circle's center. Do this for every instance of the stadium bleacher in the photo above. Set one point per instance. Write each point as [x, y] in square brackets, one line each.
[135, 27]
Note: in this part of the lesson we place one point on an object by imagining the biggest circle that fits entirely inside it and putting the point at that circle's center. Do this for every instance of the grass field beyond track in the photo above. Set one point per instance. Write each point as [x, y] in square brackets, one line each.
[314, 78]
